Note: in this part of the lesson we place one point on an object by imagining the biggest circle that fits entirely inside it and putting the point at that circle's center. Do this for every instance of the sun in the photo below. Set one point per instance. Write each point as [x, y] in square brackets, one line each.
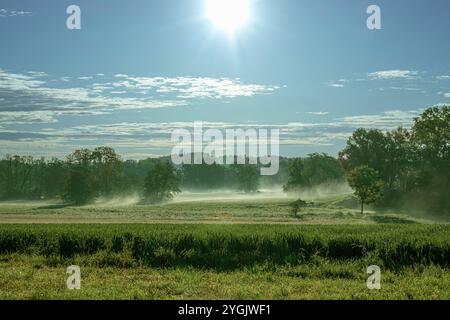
[228, 15]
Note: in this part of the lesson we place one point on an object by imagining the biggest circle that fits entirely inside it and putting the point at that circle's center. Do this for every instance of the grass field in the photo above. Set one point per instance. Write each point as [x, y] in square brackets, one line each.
[220, 208]
[220, 248]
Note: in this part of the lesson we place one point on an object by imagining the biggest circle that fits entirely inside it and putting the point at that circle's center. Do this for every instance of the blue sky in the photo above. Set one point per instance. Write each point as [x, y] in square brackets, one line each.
[138, 69]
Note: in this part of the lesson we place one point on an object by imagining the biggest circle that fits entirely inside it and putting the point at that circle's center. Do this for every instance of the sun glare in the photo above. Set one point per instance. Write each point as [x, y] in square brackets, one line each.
[228, 15]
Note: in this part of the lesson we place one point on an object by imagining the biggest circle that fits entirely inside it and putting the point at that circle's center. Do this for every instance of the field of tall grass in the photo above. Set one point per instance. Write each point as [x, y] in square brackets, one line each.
[229, 247]
[201, 261]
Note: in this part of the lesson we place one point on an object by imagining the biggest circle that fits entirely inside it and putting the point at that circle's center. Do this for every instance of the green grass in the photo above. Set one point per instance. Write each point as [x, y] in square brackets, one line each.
[234, 246]
[224, 261]
[248, 210]
[244, 248]
[29, 277]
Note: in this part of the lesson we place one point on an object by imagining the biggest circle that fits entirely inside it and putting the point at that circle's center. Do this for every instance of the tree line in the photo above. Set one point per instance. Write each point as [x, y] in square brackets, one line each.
[403, 168]
[386, 169]
[86, 175]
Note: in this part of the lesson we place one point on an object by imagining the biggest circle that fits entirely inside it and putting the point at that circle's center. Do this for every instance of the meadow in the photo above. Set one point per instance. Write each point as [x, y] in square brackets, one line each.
[220, 248]
[212, 208]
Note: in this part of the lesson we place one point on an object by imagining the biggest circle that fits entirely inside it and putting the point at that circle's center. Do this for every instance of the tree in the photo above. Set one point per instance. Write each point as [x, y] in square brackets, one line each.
[161, 182]
[320, 168]
[203, 176]
[314, 170]
[17, 172]
[431, 139]
[367, 185]
[295, 180]
[389, 153]
[247, 177]
[53, 178]
[367, 148]
[297, 206]
[79, 188]
[431, 133]
[82, 157]
[107, 166]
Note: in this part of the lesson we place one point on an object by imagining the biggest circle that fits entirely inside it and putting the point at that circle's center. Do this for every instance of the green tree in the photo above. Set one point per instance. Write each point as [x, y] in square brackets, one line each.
[367, 148]
[297, 206]
[431, 138]
[314, 170]
[431, 133]
[247, 177]
[389, 153]
[79, 187]
[320, 168]
[367, 185]
[53, 178]
[107, 168]
[203, 176]
[295, 180]
[81, 157]
[161, 182]
[17, 174]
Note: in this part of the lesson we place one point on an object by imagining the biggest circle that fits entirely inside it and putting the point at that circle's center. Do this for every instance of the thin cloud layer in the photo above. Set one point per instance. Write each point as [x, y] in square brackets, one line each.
[408, 81]
[14, 13]
[188, 87]
[45, 98]
[392, 74]
[140, 140]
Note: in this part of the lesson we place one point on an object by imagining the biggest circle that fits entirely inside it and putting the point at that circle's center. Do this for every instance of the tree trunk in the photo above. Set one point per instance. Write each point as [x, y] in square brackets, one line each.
[362, 207]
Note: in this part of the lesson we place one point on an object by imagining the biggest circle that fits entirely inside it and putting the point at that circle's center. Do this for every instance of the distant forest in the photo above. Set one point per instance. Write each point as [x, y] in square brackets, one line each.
[408, 168]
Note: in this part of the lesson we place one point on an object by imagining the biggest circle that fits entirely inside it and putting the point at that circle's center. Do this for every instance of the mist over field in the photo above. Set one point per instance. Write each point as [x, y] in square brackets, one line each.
[118, 200]
[266, 193]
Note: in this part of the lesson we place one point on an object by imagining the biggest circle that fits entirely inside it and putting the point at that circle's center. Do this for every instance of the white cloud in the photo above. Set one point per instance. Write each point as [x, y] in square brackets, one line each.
[387, 120]
[195, 87]
[37, 74]
[21, 117]
[146, 138]
[392, 74]
[444, 94]
[318, 113]
[30, 93]
[141, 138]
[24, 93]
[443, 77]
[405, 88]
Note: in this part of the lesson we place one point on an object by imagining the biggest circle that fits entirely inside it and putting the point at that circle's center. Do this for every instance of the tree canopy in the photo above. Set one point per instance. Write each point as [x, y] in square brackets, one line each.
[367, 184]
[161, 182]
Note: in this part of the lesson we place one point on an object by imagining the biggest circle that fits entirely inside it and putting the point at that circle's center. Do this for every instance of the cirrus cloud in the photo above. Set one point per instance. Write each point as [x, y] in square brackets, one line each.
[392, 74]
